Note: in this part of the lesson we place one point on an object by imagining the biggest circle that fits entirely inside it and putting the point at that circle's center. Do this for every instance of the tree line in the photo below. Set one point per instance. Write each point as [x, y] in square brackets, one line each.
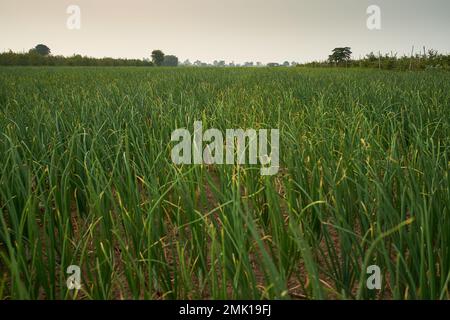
[426, 60]
[339, 57]
[41, 56]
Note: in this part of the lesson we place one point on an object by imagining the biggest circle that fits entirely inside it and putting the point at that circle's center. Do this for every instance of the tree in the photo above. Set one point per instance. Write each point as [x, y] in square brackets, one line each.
[432, 54]
[220, 63]
[371, 57]
[41, 49]
[170, 61]
[187, 63]
[157, 57]
[340, 55]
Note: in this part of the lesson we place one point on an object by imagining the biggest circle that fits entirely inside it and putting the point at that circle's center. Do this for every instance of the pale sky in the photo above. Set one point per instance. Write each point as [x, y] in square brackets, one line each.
[230, 30]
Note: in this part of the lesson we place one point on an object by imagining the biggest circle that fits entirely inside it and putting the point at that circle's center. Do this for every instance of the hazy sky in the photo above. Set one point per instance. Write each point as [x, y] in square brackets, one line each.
[231, 30]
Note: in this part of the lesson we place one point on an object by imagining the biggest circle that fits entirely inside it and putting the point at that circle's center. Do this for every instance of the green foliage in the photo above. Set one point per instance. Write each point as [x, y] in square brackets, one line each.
[170, 61]
[86, 179]
[158, 57]
[32, 58]
[42, 50]
[431, 60]
[340, 55]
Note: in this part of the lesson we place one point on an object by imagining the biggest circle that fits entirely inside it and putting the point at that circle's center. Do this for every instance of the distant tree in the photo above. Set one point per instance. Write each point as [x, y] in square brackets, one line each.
[187, 63]
[170, 61]
[340, 55]
[286, 64]
[41, 49]
[371, 57]
[158, 57]
[432, 54]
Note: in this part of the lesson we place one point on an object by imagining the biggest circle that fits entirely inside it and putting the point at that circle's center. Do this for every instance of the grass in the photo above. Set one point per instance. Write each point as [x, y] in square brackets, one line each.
[87, 179]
